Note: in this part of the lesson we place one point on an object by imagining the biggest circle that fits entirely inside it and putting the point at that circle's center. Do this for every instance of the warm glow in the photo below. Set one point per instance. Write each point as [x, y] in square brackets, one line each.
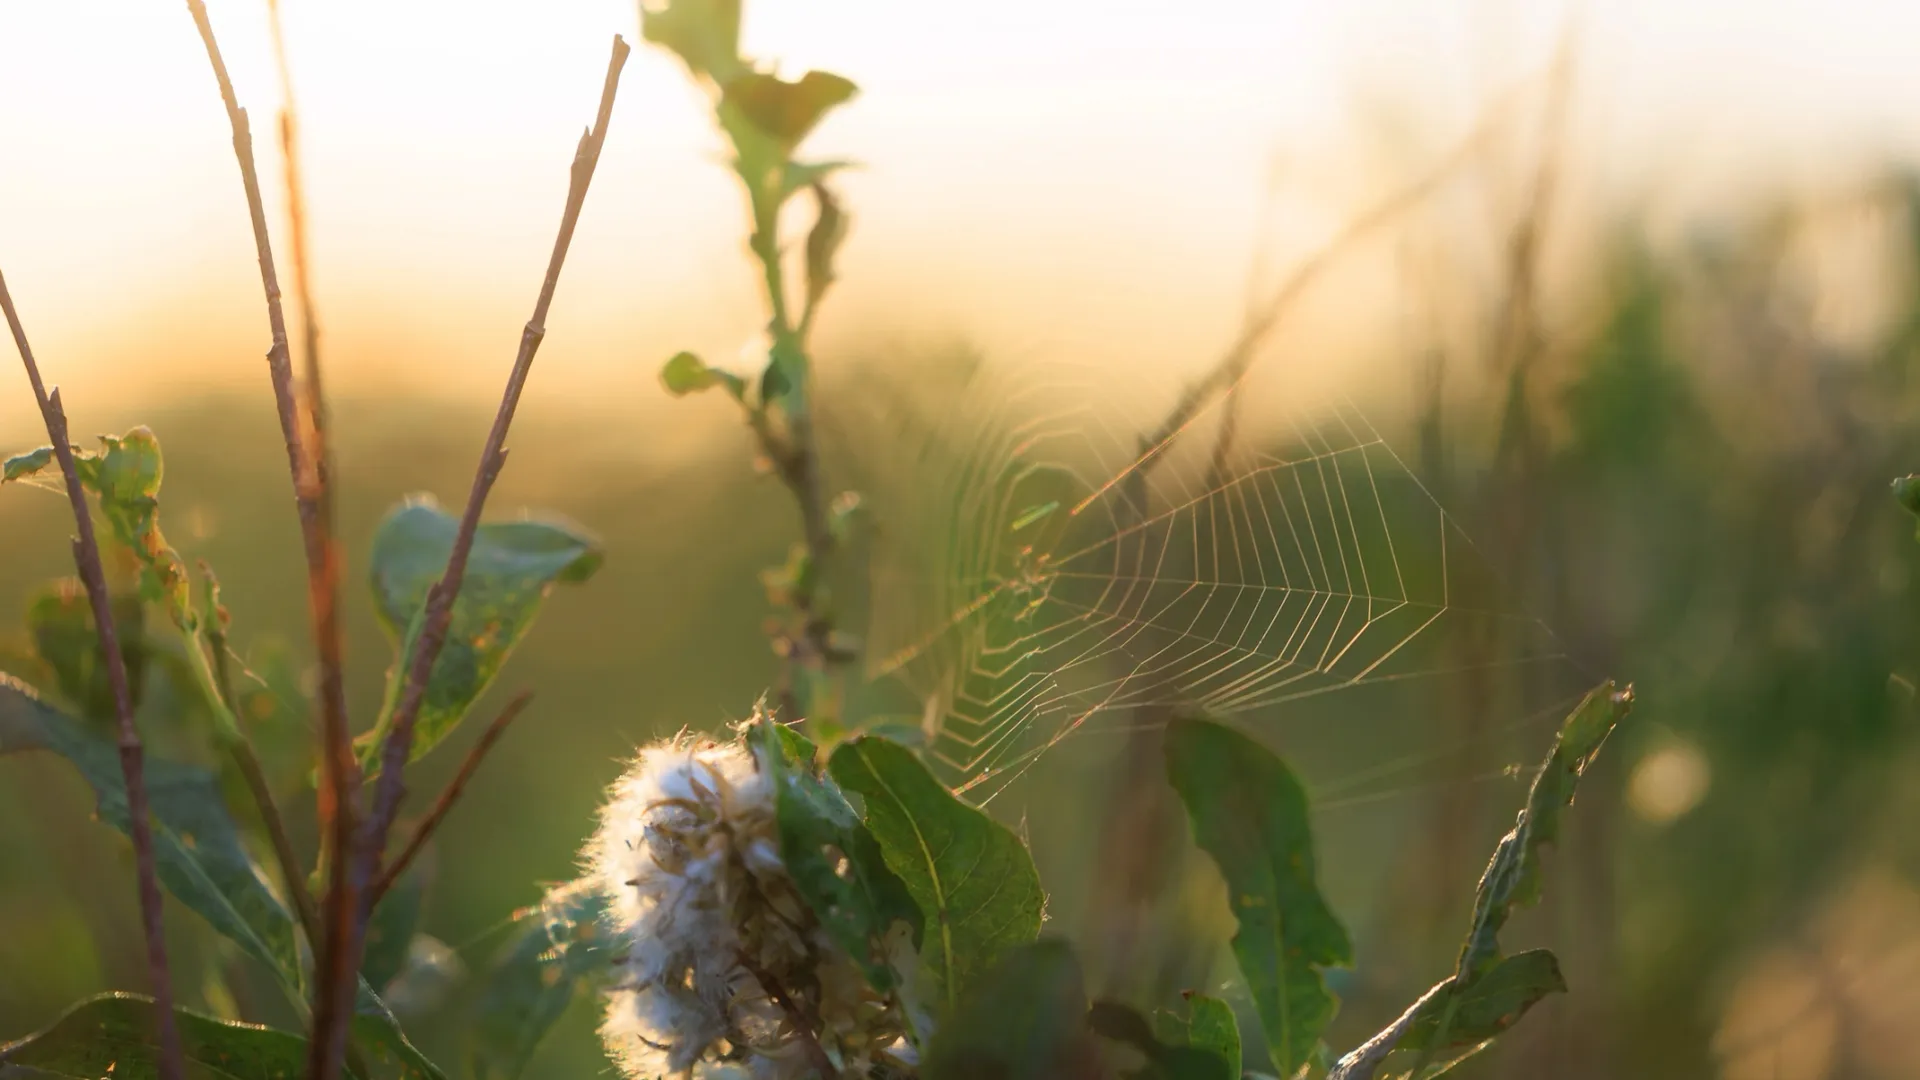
[1067, 176]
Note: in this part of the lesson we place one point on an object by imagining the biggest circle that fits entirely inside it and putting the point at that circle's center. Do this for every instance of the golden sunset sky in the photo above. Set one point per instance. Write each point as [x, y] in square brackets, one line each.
[1040, 176]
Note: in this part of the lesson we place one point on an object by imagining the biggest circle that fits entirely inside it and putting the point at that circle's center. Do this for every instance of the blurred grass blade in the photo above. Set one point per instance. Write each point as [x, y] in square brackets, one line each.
[1250, 814]
[973, 879]
[513, 566]
[1512, 877]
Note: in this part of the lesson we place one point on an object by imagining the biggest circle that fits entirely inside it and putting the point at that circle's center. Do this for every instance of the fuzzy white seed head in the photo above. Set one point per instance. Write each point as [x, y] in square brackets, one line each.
[728, 972]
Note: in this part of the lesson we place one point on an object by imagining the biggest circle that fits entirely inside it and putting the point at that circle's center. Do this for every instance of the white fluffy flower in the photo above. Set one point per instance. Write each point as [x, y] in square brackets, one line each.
[728, 972]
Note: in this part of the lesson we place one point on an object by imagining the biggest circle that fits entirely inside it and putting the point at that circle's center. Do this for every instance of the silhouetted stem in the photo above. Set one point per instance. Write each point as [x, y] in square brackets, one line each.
[249, 763]
[86, 559]
[337, 960]
[438, 615]
[450, 795]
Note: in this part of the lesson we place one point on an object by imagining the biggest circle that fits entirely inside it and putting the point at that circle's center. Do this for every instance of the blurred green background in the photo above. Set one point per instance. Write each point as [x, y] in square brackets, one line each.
[1692, 494]
[1669, 443]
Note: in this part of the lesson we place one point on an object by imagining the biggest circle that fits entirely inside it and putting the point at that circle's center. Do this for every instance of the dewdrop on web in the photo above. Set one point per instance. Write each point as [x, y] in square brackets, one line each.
[727, 972]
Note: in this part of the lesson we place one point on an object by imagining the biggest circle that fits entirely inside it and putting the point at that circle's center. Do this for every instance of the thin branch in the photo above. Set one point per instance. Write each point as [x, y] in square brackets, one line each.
[1366, 1058]
[86, 558]
[249, 762]
[438, 616]
[340, 780]
[1232, 367]
[448, 796]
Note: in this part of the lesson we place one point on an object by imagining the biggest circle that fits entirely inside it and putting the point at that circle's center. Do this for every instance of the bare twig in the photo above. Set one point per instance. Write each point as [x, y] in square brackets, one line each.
[448, 796]
[86, 558]
[438, 614]
[339, 775]
[1232, 367]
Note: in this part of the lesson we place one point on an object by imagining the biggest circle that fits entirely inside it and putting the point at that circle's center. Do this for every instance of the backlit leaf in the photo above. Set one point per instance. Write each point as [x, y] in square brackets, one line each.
[1249, 813]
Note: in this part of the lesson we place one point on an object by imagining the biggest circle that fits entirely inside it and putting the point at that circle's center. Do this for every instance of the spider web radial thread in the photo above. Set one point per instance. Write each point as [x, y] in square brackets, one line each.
[1040, 577]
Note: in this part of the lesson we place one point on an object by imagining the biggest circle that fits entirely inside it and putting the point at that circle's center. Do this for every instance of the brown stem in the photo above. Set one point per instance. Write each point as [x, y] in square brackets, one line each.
[340, 779]
[86, 558]
[389, 790]
[449, 796]
[256, 778]
[802, 1024]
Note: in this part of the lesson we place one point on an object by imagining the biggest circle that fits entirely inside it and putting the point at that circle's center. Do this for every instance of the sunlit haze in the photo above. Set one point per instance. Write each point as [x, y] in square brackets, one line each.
[1065, 176]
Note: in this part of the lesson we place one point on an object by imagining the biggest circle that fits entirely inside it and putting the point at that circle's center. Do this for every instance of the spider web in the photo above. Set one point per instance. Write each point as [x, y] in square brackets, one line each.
[1041, 575]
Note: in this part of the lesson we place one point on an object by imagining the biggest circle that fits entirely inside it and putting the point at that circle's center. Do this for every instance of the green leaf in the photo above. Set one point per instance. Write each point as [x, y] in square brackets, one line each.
[835, 861]
[563, 947]
[705, 34]
[1512, 877]
[786, 112]
[1906, 489]
[1023, 1019]
[1490, 1004]
[687, 374]
[197, 851]
[513, 565]
[1165, 1061]
[1209, 1024]
[21, 466]
[1249, 813]
[60, 622]
[378, 1038]
[823, 242]
[971, 876]
[125, 474]
[116, 1035]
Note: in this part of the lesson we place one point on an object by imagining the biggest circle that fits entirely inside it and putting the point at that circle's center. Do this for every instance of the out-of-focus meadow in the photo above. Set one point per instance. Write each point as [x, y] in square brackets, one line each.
[1648, 329]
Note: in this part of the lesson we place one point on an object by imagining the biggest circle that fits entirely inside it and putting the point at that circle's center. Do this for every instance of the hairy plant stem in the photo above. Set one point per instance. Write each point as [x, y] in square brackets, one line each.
[86, 559]
[449, 795]
[807, 645]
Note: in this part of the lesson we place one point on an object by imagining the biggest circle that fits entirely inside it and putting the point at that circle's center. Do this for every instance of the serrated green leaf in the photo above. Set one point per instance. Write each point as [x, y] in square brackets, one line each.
[686, 373]
[1490, 1004]
[972, 878]
[835, 861]
[1164, 1060]
[563, 947]
[512, 568]
[1024, 1018]
[117, 1035]
[21, 466]
[705, 34]
[124, 475]
[197, 851]
[1512, 877]
[1249, 813]
[786, 112]
[1207, 1024]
